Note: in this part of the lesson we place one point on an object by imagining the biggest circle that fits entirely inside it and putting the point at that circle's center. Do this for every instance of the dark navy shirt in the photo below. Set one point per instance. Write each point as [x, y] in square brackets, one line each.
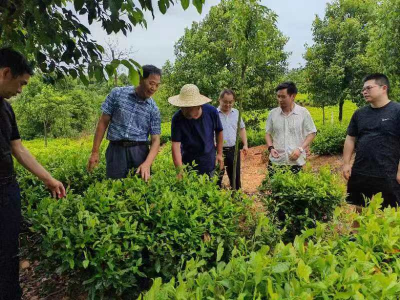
[8, 132]
[377, 133]
[197, 137]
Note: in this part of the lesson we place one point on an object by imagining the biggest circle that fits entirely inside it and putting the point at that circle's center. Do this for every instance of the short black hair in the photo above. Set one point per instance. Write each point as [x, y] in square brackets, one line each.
[380, 79]
[14, 60]
[289, 85]
[227, 92]
[150, 69]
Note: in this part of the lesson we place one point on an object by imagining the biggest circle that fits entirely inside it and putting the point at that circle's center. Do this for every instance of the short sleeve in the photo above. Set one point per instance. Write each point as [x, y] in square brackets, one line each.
[242, 124]
[309, 126]
[108, 105]
[176, 132]
[217, 121]
[269, 128]
[352, 129]
[155, 123]
[14, 127]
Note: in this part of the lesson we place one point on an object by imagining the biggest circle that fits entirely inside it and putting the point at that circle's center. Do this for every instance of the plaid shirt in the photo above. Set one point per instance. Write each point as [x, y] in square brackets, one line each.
[132, 118]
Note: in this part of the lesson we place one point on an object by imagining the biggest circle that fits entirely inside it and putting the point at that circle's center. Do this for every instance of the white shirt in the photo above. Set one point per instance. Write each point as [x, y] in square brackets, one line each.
[289, 132]
[229, 123]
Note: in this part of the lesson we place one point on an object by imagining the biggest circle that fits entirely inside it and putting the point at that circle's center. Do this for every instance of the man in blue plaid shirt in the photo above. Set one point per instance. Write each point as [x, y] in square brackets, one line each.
[131, 115]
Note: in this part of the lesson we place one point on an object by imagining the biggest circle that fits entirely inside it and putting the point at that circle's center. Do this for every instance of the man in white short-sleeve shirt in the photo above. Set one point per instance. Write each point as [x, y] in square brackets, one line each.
[289, 130]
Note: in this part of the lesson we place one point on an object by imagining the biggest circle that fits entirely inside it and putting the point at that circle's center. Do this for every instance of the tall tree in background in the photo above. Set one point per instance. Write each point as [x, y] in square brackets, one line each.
[50, 32]
[206, 55]
[384, 47]
[338, 59]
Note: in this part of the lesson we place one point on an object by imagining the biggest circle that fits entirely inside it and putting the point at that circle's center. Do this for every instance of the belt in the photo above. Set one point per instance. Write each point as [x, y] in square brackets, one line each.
[129, 143]
[229, 148]
[8, 179]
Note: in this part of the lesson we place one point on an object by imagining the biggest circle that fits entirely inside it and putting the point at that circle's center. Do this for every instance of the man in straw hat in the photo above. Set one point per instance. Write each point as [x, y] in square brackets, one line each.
[193, 130]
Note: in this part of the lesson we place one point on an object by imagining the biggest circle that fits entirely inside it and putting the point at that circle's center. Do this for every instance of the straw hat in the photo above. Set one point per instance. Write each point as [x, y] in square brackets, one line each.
[189, 96]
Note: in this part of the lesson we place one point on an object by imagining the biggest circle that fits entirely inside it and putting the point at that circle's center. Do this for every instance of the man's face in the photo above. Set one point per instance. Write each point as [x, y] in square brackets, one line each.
[11, 86]
[226, 103]
[150, 85]
[191, 112]
[372, 90]
[284, 99]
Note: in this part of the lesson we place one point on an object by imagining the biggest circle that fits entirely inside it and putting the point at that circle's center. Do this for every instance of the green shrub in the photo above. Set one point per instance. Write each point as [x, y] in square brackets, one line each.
[303, 198]
[329, 140]
[313, 267]
[120, 232]
[255, 137]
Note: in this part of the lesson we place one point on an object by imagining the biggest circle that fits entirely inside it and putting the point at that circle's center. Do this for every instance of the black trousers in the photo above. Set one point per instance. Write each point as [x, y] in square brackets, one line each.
[10, 219]
[360, 186]
[229, 156]
[120, 160]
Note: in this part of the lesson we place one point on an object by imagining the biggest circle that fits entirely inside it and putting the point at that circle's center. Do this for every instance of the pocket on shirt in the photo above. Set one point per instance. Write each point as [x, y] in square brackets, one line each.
[388, 127]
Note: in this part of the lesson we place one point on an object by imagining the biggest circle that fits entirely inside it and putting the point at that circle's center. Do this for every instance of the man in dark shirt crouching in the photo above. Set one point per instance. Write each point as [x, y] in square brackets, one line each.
[14, 74]
[374, 134]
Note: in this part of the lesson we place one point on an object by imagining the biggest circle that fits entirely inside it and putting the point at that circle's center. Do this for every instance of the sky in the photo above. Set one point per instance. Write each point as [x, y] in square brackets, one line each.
[155, 45]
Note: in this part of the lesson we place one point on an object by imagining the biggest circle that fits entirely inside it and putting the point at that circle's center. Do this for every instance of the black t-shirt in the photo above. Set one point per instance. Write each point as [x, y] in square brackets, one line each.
[377, 132]
[8, 132]
[197, 137]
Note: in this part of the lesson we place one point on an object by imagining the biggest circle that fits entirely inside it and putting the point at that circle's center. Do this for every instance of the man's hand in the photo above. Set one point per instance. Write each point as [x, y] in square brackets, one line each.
[347, 172]
[220, 160]
[144, 171]
[245, 150]
[295, 154]
[56, 187]
[274, 153]
[398, 177]
[93, 161]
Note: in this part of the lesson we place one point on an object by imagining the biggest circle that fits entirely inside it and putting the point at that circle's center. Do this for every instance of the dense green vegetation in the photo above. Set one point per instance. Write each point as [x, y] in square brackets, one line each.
[319, 264]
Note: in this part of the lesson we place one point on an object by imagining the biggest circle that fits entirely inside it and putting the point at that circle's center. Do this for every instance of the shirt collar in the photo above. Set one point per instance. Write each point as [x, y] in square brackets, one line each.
[295, 110]
[219, 110]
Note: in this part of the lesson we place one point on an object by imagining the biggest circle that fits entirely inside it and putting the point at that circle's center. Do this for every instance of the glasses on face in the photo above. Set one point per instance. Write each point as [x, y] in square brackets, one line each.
[368, 88]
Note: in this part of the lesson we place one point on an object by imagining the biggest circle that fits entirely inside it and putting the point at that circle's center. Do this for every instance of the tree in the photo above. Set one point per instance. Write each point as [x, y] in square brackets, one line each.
[339, 50]
[112, 53]
[50, 32]
[384, 46]
[205, 56]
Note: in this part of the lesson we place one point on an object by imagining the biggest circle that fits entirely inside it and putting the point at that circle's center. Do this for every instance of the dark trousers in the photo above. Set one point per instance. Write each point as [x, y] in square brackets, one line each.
[360, 186]
[120, 160]
[272, 168]
[229, 156]
[10, 219]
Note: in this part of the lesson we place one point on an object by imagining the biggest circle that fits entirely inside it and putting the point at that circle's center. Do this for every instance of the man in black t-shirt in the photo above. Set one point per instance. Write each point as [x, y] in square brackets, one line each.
[14, 74]
[374, 134]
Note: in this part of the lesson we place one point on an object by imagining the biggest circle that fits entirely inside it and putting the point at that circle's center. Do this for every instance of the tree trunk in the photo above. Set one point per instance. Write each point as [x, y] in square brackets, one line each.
[238, 129]
[341, 103]
[115, 73]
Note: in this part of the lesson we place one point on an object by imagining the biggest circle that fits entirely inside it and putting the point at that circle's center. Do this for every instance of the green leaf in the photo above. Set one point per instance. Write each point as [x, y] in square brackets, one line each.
[162, 6]
[83, 78]
[115, 6]
[185, 4]
[85, 263]
[98, 73]
[281, 267]
[78, 4]
[199, 5]
[110, 70]
[220, 251]
[134, 77]
[303, 271]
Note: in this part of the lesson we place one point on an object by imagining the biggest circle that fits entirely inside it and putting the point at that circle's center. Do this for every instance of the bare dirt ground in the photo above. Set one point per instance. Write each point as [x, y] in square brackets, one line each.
[37, 284]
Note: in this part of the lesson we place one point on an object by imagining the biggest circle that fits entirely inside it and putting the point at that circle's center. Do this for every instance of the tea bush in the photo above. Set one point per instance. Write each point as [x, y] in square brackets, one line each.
[365, 266]
[302, 199]
[121, 233]
[329, 140]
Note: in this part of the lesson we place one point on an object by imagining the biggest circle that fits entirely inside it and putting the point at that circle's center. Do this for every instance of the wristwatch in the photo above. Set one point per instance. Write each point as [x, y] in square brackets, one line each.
[270, 148]
[301, 149]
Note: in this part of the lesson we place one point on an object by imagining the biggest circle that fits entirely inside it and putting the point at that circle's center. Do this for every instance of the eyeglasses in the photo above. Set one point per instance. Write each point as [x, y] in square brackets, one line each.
[368, 88]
